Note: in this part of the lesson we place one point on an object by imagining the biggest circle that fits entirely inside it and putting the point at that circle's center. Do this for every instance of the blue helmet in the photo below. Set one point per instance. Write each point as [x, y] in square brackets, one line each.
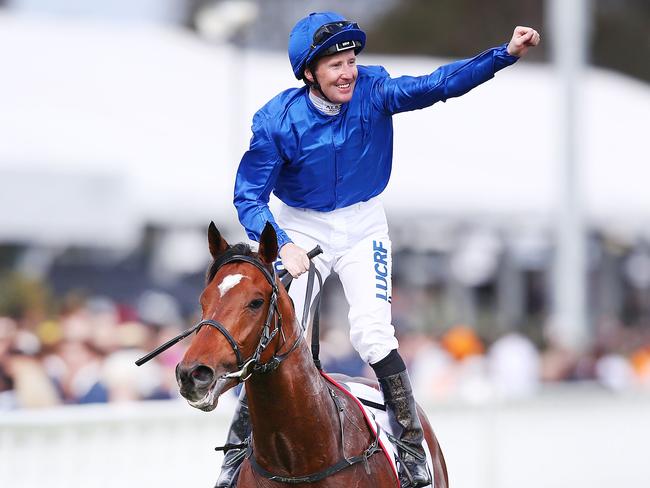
[321, 34]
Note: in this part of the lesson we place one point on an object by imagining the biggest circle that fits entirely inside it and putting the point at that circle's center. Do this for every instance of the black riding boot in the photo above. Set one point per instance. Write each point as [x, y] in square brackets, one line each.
[401, 408]
[240, 429]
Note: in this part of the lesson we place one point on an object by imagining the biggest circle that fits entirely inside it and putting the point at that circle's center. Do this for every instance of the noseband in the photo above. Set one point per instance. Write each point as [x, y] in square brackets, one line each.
[251, 365]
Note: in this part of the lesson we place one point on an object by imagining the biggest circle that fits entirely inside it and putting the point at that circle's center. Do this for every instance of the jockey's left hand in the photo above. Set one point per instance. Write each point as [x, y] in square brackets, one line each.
[522, 39]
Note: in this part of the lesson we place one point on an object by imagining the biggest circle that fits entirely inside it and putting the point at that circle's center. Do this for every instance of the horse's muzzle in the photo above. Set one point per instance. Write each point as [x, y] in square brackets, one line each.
[194, 380]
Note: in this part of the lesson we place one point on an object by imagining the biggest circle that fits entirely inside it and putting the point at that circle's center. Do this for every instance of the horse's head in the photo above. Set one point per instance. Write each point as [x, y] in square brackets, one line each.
[241, 316]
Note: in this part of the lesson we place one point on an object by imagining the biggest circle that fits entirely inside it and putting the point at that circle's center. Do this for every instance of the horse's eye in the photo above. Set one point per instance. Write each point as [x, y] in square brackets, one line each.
[256, 304]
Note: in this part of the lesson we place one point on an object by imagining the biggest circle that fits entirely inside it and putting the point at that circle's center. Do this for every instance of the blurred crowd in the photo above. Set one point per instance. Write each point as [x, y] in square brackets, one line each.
[459, 365]
[86, 354]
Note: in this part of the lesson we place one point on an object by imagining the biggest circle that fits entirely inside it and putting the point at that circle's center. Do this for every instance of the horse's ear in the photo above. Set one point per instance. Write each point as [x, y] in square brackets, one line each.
[268, 250]
[217, 244]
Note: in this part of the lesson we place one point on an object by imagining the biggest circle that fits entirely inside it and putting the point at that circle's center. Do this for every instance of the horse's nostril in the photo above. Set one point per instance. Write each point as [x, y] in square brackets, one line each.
[202, 374]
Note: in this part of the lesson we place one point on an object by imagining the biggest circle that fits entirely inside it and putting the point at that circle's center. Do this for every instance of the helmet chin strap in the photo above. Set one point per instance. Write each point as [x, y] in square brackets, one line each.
[320, 90]
[323, 93]
[316, 84]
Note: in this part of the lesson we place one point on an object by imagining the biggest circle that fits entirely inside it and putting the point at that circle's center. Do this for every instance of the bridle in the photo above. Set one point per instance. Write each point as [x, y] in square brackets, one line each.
[271, 327]
[252, 364]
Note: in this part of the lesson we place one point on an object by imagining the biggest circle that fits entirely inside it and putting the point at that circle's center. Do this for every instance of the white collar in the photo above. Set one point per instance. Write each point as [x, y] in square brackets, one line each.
[323, 106]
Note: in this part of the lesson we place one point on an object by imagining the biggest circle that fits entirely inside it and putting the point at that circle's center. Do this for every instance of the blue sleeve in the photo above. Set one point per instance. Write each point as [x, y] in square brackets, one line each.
[451, 80]
[256, 177]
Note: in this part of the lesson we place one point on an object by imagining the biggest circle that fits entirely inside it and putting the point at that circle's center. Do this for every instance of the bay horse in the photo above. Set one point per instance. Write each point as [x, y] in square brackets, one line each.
[305, 429]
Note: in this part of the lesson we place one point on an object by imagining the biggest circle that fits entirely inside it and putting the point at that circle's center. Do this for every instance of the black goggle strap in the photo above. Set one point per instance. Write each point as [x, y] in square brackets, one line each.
[325, 31]
[341, 46]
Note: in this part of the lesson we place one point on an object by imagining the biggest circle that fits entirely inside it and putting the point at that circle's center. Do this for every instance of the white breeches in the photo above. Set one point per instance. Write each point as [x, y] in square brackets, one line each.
[356, 246]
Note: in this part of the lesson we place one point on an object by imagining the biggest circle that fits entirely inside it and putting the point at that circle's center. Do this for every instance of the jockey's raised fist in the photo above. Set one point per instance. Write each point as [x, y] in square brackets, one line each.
[522, 39]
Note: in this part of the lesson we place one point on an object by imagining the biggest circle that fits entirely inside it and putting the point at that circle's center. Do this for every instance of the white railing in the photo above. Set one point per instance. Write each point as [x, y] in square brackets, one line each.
[571, 438]
[153, 444]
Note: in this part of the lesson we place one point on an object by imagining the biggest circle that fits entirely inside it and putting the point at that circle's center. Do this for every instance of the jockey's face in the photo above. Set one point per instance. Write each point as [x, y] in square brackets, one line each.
[336, 75]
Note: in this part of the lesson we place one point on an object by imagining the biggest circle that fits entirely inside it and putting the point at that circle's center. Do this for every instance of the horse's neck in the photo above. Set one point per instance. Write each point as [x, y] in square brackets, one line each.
[291, 412]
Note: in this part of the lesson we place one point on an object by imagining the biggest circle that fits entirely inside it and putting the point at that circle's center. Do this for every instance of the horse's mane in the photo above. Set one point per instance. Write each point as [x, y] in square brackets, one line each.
[240, 249]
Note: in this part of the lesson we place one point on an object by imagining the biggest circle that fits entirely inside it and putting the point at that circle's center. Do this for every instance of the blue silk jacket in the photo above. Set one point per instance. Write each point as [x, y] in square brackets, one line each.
[324, 162]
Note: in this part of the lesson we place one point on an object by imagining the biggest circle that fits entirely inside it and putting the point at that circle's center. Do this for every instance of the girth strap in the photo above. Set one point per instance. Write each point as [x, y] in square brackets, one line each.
[321, 475]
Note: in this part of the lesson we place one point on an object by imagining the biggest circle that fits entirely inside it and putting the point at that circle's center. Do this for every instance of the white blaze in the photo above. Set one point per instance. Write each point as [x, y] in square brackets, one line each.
[228, 282]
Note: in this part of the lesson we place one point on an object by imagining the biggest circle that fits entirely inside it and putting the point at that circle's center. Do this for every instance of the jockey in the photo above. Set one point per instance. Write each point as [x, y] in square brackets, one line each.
[325, 150]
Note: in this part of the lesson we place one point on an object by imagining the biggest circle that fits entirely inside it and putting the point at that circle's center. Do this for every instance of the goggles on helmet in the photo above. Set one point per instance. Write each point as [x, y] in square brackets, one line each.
[322, 34]
[325, 31]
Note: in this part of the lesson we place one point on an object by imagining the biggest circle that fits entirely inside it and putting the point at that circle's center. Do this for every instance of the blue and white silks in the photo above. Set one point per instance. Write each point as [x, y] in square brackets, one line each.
[322, 162]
